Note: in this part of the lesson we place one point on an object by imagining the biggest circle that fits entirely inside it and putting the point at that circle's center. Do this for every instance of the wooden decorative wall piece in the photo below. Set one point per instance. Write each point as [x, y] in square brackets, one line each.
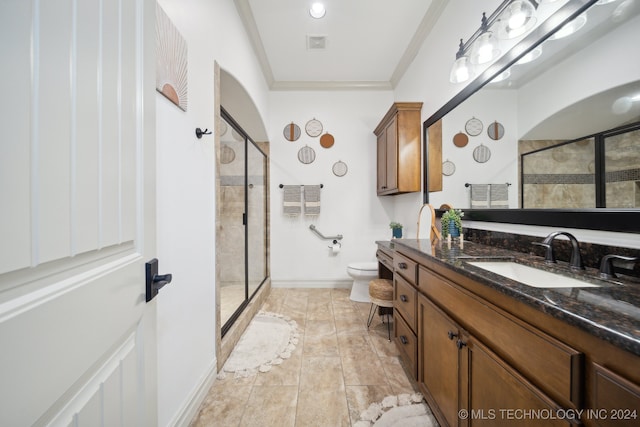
[171, 61]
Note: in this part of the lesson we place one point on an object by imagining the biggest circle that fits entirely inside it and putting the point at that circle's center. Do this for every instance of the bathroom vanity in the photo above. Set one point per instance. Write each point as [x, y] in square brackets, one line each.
[490, 350]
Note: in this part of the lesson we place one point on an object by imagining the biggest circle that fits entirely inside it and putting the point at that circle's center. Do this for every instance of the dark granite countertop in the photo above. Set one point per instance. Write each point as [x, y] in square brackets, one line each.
[610, 311]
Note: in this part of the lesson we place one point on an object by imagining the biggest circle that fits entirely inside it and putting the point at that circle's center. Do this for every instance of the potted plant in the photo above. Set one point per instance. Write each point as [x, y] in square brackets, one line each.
[396, 229]
[452, 222]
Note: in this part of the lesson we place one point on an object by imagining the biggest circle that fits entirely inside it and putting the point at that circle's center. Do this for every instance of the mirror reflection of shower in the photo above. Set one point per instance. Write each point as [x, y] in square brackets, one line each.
[241, 233]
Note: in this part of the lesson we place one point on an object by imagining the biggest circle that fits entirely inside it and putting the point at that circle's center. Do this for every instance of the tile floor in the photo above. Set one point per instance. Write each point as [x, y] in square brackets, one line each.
[337, 370]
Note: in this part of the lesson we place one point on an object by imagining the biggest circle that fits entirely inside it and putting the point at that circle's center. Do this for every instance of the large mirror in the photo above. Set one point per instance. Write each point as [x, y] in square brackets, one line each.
[577, 96]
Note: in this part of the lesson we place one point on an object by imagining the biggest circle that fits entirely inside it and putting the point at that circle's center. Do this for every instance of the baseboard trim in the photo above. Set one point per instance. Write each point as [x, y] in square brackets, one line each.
[298, 284]
[189, 410]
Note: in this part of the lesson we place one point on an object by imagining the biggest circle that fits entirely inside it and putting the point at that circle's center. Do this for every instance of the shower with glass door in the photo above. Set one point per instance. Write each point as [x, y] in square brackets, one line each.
[242, 230]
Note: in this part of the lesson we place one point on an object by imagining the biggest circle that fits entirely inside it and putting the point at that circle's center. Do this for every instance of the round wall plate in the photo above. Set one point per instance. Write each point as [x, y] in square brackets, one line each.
[291, 132]
[313, 127]
[495, 131]
[448, 168]
[460, 139]
[327, 140]
[306, 155]
[340, 168]
[481, 154]
[227, 155]
[473, 126]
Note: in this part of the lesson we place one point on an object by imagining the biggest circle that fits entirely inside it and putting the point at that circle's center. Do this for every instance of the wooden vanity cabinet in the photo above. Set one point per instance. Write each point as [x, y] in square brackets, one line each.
[457, 372]
[399, 149]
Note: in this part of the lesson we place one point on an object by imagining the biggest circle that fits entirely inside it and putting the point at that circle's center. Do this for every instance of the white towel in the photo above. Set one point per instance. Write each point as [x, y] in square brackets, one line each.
[499, 196]
[312, 200]
[479, 196]
[291, 205]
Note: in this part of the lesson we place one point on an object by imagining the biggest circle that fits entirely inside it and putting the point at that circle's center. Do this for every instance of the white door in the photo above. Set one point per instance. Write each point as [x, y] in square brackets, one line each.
[77, 220]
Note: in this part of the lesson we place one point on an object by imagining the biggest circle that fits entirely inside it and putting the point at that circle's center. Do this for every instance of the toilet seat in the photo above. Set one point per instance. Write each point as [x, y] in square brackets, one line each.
[364, 266]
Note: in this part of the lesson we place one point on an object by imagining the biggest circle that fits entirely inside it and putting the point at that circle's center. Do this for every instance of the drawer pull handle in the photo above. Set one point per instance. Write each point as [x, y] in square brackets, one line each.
[404, 298]
[460, 344]
[404, 339]
[451, 335]
[402, 265]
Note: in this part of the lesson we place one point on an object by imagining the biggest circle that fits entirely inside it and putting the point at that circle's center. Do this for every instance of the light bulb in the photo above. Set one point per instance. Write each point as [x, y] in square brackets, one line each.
[484, 49]
[461, 70]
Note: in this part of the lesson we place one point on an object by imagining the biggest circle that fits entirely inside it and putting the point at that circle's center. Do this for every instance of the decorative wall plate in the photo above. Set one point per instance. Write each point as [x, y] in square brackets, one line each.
[460, 139]
[473, 126]
[495, 131]
[313, 127]
[481, 154]
[306, 155]
[327, 140]
[340, 168]
[448, 168]
[291, 132]
[227, 155]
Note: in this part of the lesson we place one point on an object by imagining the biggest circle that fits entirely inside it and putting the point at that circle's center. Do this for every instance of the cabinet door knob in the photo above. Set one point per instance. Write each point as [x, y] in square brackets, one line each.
[451, 335]
[404, 298]
[404, 339]
[460, 344]
[402, 266]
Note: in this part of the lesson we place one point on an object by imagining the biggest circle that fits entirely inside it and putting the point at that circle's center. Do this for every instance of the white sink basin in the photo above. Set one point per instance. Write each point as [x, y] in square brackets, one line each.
[531, 276]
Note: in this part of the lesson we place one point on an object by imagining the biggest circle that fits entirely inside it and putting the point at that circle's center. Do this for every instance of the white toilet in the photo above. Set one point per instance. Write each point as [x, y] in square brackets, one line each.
[362, 273]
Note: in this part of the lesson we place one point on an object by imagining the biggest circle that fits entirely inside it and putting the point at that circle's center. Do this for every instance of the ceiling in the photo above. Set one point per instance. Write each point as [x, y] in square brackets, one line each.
[369, 44]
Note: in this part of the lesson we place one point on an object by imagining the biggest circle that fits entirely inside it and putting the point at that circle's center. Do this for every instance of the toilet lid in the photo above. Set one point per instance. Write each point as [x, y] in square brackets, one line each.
[365, 266]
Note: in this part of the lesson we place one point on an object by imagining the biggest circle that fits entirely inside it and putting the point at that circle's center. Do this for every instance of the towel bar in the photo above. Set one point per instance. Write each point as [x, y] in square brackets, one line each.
[322, 236]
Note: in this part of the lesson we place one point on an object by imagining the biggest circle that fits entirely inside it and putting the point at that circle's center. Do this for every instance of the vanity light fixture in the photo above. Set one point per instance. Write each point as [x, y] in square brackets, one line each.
[570, 27]
[517, 19]
[502, 76]
[462, 69]
[482, 46]
[317, 10]
[485, 48]
[531, 56]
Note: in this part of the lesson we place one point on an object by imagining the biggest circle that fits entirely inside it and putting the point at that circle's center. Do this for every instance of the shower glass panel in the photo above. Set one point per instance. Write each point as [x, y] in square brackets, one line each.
[256, 217]
[242, 229]
[622, 169]
[561, 176]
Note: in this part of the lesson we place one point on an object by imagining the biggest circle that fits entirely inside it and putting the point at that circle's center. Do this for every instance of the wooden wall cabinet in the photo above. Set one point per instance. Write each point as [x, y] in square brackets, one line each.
[399, 149]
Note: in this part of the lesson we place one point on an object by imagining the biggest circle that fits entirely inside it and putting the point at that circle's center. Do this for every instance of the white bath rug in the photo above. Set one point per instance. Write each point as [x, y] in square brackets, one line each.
[404, 410]
[268, 340]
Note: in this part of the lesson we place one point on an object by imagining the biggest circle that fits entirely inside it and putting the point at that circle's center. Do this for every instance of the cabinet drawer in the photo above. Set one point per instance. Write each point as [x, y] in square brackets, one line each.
[405, 300]
[406, 267]
[384, 259]
[407, 343]
[550, 364]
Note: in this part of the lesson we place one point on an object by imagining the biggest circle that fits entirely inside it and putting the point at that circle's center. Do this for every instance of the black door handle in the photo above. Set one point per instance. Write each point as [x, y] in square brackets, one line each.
[154, 280]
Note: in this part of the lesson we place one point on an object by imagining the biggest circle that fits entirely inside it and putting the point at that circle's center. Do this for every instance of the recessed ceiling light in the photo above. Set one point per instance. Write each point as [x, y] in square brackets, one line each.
[317, 10]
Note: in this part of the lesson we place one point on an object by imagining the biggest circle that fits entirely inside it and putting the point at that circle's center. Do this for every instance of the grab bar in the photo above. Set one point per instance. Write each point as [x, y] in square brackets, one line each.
[313, 228]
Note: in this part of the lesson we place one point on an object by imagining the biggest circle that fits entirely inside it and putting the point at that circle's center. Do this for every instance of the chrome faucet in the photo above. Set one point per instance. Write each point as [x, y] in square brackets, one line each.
[606, 265]
[576, 259]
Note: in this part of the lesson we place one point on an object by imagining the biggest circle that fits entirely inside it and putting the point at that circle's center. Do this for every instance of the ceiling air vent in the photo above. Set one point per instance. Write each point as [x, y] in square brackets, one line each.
[316, 42]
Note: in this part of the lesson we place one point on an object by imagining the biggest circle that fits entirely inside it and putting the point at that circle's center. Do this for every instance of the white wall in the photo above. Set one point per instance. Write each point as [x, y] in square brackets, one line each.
[349, 204]
[186, 200]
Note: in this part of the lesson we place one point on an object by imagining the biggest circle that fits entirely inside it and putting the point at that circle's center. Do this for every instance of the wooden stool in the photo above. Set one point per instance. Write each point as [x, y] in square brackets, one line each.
[381, 294]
